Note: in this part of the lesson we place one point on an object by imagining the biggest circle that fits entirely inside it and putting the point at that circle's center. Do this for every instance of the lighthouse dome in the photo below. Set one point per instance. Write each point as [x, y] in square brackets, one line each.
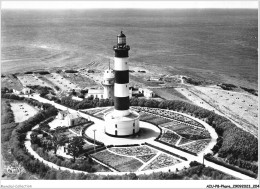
[121, 34]
[109, 74]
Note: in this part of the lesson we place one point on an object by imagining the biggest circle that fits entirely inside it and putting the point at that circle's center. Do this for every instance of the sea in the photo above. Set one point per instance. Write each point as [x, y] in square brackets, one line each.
[217, 41]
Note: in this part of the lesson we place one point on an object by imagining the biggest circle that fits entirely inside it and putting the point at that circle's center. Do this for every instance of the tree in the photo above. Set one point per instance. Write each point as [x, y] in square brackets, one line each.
[58, 141]
[75, 146]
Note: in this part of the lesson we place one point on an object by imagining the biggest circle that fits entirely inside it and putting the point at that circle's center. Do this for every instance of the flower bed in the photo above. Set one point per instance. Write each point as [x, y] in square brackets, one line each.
[169, 114]
[196, 147]
[145, 116]
[169, 137]
[184, 141]
[120, 163]
[146, 158]
[174, 125]
[94, 111]
[163, 160]
[193, 133]
[134, 151]
[156, 120]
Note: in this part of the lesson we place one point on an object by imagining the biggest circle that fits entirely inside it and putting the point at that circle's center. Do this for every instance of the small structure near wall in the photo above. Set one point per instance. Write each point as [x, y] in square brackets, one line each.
[26, 90]
[147, 92]
[95, 93]
[69, 118]
[17, 92]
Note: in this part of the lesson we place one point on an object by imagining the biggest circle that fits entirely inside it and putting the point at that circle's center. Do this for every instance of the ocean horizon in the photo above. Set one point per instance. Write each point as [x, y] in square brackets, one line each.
[220, 41]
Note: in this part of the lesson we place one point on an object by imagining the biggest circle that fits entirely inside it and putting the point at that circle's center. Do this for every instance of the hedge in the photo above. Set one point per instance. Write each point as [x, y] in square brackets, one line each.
[243, 171]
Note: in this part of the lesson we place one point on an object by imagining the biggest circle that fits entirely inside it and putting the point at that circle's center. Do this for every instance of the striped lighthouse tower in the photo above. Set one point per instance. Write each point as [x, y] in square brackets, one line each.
[121, 70]
[121, 122]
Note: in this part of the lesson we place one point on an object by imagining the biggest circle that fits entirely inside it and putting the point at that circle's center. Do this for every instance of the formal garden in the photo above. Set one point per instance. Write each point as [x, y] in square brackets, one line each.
[68, 147]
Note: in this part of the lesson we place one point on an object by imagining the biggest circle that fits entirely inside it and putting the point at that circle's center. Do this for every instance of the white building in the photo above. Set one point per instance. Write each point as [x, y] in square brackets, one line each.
[95, 93]
[26, 90]
[69, 118]
[147, 92]
[108, 83]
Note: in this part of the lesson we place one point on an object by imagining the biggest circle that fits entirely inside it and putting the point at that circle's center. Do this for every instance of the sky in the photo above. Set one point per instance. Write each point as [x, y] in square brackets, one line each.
[126, 4]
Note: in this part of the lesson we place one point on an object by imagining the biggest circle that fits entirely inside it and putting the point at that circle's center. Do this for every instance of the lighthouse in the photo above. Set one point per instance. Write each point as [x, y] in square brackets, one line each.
[121, 69]
[108, 83]
[121, 122]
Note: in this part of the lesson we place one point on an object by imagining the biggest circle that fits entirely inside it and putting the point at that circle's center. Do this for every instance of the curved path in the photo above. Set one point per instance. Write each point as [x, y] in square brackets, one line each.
[166, 169]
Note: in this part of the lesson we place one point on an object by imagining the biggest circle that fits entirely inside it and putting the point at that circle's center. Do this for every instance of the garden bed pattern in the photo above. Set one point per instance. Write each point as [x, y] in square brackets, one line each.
[163, 160]
[168, 114]
[144, 153]
[179, 130]
[119, 163]
[196, 146]
[102, 113]
[94, 111]
[169, 137]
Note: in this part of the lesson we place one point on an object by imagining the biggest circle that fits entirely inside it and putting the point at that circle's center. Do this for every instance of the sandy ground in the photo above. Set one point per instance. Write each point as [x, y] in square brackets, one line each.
[29, 79]
[22, 111]
[61, 82]
[241, 108]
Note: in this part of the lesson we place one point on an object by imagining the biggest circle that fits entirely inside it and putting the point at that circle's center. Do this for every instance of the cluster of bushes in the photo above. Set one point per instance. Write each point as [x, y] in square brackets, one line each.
[227, 86]
[11, 96]
[42, 72]
[71, 71]
[243, 171]
[198, 170]
[5, 90]
[252, 91]
[18, 137]
[8, 113]
[192, 81]
[6, 131]
[42, 90]
[28, 72]
[86, 164]
[243, 164]
[86, 103]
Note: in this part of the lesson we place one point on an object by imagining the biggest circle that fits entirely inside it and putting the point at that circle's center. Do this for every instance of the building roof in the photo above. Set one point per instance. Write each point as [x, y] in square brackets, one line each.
[64, 112]
[121, 34]
[73, 116]
[95, 91]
